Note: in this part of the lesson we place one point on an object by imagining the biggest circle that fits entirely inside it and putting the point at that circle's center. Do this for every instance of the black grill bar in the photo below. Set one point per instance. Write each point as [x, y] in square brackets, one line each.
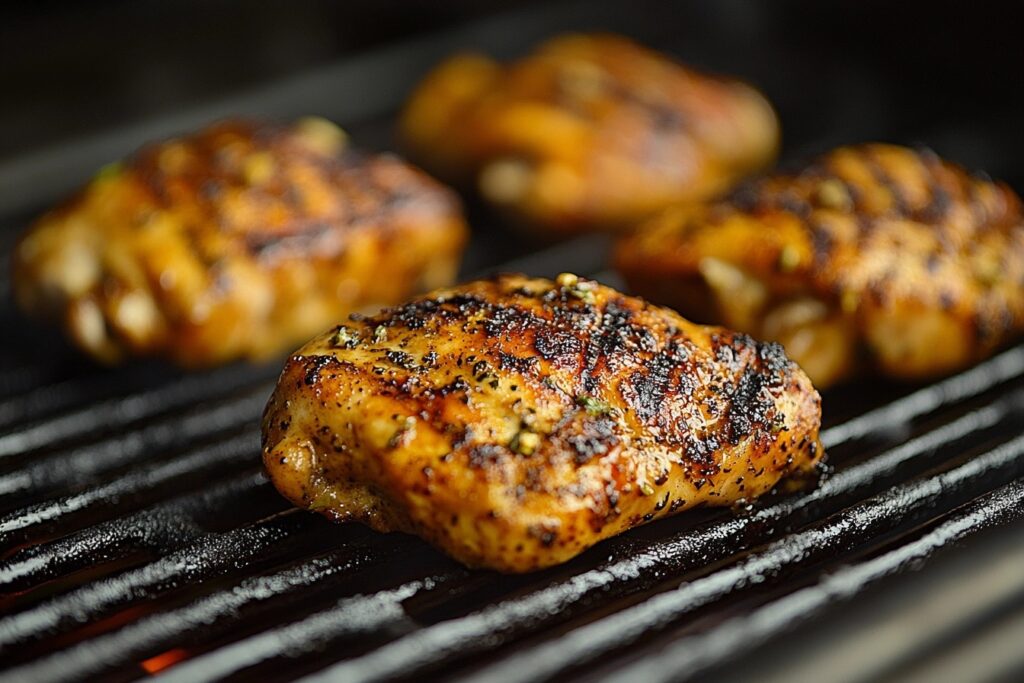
[202, 615]
[59, 395]
[160, 528]
[58, 472]
[130, 490]
[120, 412]
[629, 573]
[900, 507]
[984, 377]
[955, 617]
[587, 254]
[217, 613]
[350, 618]
[209, 556]
[688, 657]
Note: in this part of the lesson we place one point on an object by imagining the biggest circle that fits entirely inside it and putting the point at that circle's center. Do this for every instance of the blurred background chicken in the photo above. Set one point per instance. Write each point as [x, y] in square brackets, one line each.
[238, 241]
[874, 256]
[588, 131]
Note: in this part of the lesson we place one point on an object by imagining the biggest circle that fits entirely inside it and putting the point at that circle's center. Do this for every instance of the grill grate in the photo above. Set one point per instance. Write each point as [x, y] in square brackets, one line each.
[138, 536]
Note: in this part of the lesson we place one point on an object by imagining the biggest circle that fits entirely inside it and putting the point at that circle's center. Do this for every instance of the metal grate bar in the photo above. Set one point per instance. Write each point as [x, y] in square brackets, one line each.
[129, 491]
[34, 401]
[81, 466]
[350, 618]
[120, 412]
[448, 641]
[856, 481]
[979, 379]
[219, 612]
[161, 528]
[209, 556]
[583, 255]
[690, 656]
[64, 394]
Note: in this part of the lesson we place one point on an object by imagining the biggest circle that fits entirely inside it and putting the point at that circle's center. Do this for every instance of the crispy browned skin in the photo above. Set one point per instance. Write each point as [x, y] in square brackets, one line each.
[241, 240]
[588, 131]
[874, 256]
[515, 422]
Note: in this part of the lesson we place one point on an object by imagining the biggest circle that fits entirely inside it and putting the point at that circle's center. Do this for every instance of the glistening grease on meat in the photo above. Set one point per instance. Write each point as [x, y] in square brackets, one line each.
[587, 131]
[873, 257]
[241, 240]
[515, 422]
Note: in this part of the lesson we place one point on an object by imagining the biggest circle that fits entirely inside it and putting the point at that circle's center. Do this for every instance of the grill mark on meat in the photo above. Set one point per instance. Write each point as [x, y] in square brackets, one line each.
[298, 237]
[882, 176]
[647, 389]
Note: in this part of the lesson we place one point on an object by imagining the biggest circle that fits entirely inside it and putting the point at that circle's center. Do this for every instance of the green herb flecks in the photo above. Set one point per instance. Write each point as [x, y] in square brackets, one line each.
[323, 501]
[581, 289]
[345, 338]
[592, 405]
[525, 442]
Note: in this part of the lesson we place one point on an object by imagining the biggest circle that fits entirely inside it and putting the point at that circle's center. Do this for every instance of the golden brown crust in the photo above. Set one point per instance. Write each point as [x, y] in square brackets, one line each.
[588, 131]
[515, 422]
[916, 266]
[239, 240]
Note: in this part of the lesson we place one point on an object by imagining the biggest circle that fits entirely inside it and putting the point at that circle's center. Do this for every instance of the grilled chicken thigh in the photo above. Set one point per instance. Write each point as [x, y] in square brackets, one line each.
[873, 256]
[241, 240]
[515, 422]
[588, 131]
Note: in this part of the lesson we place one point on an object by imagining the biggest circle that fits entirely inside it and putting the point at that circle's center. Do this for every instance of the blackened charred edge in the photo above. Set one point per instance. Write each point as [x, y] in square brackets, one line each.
[312, 367]
[418, 313]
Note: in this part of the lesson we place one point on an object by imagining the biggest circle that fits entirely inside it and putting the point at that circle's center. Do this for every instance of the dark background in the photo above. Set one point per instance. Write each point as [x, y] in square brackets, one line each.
[947, 74]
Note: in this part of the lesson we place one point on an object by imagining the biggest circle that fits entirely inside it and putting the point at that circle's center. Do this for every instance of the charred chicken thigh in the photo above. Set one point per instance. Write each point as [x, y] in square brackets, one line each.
[515, 422]
[588, 131]
[873, 256]
[239, 241]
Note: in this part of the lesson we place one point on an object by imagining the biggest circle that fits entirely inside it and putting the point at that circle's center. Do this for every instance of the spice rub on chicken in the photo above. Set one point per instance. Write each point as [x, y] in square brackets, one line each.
[873, 257]
[588, 131]
[241, 240]
[515, 422]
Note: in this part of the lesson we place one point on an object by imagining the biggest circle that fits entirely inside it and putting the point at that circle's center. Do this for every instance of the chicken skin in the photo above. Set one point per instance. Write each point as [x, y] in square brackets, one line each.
[873, 257]
[515, 422]
[239, 241]
[589, 131]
